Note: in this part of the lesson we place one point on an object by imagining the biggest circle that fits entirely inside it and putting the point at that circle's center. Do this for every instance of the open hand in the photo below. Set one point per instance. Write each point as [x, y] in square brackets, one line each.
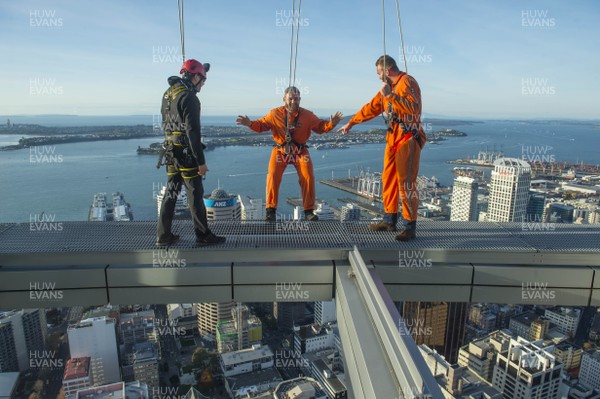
[336, 118]
[243, 120]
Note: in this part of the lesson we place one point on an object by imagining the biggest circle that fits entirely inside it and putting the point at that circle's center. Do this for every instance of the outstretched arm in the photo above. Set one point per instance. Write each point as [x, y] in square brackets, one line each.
[259, 125]
[323, 126]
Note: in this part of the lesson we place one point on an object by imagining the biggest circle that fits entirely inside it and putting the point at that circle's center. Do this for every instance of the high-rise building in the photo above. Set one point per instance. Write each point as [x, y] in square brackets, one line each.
[325, 312]
[251, 208]
[145, 364]
[509, 190]
[479, 355]
[569, 354]
[246, 360]
[289, 314]
[21, 332]
[526, 371]
[560, 213]
[313, 338]
[529, 325]
[535, 207]
[211, 314]
[222, 206]
[439, 325]
[589, 373]
[77, 376]
[178, 310]
[228, 332]
[539, 328]
[566, 319]
[324, 211]
[96, 338]
[464, 200]
[138, 327]
[349, 213]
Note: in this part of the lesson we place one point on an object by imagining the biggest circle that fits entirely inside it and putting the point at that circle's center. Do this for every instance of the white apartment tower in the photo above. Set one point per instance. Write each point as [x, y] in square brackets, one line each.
[509, 190]
[96, 338]
[527, 371]
[211, 314]
[325, 312]
[589, 373]
[464, 200]
[252, 208]
[21, 331]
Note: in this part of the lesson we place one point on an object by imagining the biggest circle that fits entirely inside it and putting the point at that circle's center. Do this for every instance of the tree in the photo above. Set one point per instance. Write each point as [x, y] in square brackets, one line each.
[200, 357]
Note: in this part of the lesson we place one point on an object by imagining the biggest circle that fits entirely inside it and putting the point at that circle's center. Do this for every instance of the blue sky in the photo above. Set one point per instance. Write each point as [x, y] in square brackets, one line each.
[475, 58]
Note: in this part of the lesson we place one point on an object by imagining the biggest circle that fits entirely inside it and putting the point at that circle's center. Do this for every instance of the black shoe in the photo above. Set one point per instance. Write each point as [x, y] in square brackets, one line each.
[171, 239]
[209, 238]
[310, 216]
[271, 215]
[382, 226]
[406, 235]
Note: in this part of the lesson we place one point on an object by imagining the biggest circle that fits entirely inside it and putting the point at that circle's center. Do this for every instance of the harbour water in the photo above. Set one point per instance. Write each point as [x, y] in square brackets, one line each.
[63, 183]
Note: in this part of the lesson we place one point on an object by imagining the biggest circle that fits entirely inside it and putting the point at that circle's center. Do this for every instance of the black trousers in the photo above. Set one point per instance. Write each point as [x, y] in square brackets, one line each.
[177, 178]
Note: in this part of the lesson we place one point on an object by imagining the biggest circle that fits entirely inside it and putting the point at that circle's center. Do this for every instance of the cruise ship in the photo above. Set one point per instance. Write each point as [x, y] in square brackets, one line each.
[103, 211]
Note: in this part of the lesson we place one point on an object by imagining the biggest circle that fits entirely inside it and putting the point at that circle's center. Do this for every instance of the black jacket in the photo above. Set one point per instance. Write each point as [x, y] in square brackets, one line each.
[181, 113]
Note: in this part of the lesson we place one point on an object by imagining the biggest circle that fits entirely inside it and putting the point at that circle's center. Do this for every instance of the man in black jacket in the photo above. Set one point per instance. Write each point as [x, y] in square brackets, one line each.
[184, 153]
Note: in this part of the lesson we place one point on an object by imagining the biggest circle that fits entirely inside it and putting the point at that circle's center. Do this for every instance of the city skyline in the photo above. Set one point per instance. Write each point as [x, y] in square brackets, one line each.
[474, 59]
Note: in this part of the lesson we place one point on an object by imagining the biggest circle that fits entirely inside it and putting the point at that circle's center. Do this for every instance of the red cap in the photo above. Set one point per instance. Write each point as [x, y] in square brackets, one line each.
[193, 66]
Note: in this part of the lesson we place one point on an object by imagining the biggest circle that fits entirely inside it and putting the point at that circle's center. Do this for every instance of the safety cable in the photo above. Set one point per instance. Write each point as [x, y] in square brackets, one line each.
[401, 36]
[293, 57]
[181, 28]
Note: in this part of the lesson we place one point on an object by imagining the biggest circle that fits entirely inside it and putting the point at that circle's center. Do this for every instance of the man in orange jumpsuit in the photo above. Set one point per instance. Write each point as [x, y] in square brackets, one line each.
[400, 98]
[291, 127]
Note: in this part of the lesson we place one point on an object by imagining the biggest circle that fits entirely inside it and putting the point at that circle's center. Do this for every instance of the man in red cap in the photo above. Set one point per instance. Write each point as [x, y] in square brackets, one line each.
[184, 153]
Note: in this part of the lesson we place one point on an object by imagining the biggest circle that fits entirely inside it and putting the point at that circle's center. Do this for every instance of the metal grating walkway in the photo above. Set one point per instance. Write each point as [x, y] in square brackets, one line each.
[26, 238]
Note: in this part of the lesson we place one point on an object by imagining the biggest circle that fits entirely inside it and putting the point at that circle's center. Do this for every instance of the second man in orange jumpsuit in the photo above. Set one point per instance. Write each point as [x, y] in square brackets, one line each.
[399, 97]
[291, 127]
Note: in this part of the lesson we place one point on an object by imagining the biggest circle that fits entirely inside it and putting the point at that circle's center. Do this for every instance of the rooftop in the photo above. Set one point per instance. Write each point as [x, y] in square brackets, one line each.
[78, 367]
[245, 355]
[110, 391]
